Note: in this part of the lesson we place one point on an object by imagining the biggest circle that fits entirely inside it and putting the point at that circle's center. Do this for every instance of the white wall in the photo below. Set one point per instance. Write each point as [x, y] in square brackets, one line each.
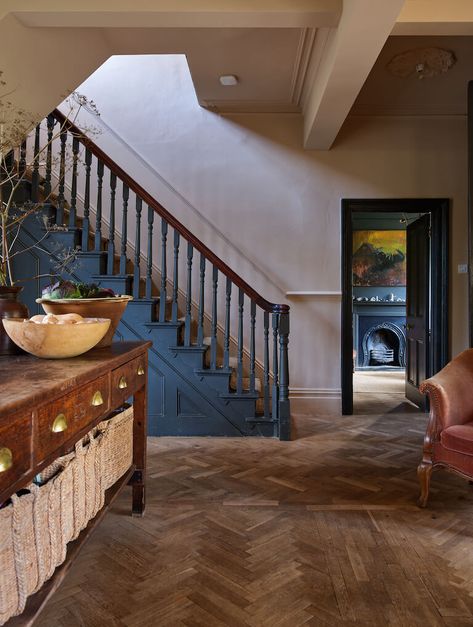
[278, 205]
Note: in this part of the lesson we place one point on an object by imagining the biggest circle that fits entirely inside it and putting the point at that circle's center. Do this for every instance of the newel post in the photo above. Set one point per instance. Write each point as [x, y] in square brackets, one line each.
[284, 404]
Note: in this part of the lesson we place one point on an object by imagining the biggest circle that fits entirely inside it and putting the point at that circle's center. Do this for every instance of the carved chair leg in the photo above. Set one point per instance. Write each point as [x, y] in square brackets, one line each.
[424, 472]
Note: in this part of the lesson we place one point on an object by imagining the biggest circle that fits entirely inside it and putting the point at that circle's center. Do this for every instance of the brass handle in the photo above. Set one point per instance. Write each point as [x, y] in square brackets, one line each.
[97, 399]
[59, 424]
[6, 459]
[122, 384]
[140, 370]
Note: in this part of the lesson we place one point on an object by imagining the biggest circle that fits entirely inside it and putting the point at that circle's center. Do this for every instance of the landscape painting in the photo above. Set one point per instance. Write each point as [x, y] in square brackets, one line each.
[379, 258]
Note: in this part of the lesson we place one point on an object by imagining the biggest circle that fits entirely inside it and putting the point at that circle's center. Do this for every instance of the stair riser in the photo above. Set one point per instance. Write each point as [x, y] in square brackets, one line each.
[217, 382]
[119, 284]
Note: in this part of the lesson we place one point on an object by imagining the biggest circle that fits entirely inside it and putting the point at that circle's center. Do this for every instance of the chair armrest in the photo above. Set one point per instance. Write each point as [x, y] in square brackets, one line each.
[435, 424]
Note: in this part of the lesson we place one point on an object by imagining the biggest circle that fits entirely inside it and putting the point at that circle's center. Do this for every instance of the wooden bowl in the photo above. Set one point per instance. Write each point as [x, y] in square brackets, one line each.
[55, 341]
[112, 307]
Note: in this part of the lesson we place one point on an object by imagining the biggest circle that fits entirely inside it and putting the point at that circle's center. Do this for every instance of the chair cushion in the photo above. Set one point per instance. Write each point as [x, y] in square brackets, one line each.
[458, 438]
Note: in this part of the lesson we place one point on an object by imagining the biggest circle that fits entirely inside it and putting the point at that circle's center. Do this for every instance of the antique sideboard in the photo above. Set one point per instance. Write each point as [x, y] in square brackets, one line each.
[46, 406]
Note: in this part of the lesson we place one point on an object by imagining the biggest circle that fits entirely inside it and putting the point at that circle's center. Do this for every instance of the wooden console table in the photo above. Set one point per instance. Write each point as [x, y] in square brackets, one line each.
[46, 406]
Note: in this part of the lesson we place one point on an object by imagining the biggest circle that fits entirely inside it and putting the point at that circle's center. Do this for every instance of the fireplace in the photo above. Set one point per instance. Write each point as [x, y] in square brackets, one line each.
[379, 338]
[384, 345]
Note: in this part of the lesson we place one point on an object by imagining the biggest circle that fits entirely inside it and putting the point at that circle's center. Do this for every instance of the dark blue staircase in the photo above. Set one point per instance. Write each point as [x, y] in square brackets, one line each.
[222, 373]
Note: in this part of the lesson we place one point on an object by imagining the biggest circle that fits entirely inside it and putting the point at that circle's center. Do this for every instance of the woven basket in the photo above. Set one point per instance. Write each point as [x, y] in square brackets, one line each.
[94, 490]
[116, 447]
[18, 555]
[61, 498]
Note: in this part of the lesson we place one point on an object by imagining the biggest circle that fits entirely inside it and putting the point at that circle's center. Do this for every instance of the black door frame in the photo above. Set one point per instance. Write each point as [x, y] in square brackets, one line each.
[470, 212]
[439, 212]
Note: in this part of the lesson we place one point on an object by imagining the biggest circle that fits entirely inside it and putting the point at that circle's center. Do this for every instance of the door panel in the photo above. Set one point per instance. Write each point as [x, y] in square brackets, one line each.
[418, 308]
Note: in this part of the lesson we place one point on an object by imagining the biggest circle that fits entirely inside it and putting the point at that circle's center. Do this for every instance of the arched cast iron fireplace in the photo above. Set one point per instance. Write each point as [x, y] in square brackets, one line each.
[384, 344]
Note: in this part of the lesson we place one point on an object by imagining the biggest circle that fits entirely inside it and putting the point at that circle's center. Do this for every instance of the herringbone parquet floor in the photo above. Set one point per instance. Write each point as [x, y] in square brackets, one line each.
[319, 531]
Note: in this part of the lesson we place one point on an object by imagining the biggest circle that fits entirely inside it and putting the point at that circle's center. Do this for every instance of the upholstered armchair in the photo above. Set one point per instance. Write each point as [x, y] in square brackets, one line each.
[448, 441]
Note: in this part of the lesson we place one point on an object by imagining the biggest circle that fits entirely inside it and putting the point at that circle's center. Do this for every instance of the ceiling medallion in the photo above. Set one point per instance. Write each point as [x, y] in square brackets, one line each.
[421, 62]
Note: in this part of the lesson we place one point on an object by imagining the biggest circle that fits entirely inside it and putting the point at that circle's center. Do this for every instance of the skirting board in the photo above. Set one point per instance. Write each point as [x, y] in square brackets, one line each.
[316, 401]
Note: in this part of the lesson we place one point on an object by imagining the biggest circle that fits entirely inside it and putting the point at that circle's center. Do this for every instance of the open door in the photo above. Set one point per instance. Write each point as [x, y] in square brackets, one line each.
[418, 308]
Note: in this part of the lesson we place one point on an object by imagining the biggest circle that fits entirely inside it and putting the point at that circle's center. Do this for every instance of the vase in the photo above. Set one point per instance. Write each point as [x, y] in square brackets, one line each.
[112, 308]
[10, 307]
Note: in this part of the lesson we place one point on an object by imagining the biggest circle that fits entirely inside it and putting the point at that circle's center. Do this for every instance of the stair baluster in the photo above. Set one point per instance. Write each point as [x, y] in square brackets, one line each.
[86, 220]
[241, 301]
[149, 258]
[98, 210]
[73, 207]
[188, 319]
[62, 175]
[226, 338]
[284, 412]
[275, 399]
[136, 269]
[50, 121]
[252, 346]
[125, 197]
[111, 230]
[35, 173]
[164, 276]
[266, 386]
[200, 317]
[175, 278]
[22, 159]
[213, 336]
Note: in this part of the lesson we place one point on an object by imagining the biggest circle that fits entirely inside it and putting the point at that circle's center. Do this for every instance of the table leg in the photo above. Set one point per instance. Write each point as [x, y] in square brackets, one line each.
[138, 479]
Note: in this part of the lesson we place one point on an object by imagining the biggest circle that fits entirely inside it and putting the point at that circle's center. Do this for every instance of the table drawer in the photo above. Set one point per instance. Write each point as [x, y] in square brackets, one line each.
[60, 420]
[15, 450]
[127, 379]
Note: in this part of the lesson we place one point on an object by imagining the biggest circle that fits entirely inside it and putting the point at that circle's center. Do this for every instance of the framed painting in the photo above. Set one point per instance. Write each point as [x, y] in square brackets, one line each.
[379, 258]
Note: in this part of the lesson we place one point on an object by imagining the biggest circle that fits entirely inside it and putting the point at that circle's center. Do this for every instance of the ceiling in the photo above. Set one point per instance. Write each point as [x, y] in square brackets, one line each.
[322, 58]
[444, 94]
[270, 63]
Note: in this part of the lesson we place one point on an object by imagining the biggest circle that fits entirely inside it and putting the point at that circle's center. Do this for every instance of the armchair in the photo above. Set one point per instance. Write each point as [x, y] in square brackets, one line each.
[448, 441]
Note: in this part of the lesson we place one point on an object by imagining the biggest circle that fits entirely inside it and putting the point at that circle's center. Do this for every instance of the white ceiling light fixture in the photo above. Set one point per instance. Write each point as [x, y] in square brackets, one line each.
[422, 62]
[228, 79]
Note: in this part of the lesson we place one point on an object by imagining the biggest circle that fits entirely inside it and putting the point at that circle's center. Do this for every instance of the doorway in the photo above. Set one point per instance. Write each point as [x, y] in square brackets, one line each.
[399, 331]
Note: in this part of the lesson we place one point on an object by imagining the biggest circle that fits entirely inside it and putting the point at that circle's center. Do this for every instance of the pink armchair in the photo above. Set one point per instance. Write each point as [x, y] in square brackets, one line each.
[448, 441]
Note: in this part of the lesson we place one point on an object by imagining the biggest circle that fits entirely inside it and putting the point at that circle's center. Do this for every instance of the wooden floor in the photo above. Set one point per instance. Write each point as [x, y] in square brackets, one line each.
[322, 530]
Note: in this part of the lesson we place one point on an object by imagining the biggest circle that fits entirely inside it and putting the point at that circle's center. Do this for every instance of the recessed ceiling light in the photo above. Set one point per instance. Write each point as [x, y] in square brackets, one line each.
[228, 79]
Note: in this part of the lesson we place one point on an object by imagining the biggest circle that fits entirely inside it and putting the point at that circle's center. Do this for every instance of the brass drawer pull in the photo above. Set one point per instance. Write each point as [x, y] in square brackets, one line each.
[97, 399]
[6, 458]
[140, 370]
[122, 384]
[59, 424]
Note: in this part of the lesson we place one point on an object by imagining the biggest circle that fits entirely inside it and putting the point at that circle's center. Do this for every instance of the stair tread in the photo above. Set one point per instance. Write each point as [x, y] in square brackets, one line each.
[192, 347]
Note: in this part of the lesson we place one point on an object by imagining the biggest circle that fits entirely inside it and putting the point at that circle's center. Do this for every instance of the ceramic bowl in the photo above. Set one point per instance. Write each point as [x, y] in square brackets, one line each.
[112, 308]
[55, 341]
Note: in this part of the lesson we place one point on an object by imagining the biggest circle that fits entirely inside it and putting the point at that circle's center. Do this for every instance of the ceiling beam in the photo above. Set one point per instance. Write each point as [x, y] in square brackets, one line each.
[435, 17]
[341, 61]
[172, 14]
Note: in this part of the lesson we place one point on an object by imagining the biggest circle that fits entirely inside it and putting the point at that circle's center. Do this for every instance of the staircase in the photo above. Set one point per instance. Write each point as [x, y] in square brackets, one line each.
[219, 361]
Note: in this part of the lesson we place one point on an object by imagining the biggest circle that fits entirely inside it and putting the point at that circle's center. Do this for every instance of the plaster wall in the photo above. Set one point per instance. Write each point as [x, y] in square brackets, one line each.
[270, 209]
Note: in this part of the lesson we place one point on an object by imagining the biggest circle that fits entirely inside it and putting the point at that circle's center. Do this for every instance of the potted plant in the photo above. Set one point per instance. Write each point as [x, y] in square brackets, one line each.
[87, 299]
[16, 167]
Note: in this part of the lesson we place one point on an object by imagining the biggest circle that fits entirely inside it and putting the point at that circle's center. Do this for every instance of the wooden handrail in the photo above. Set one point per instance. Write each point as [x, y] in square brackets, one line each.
[170, 219]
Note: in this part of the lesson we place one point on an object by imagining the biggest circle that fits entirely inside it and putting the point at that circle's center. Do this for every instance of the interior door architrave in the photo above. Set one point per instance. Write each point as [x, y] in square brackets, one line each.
[439, 211]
